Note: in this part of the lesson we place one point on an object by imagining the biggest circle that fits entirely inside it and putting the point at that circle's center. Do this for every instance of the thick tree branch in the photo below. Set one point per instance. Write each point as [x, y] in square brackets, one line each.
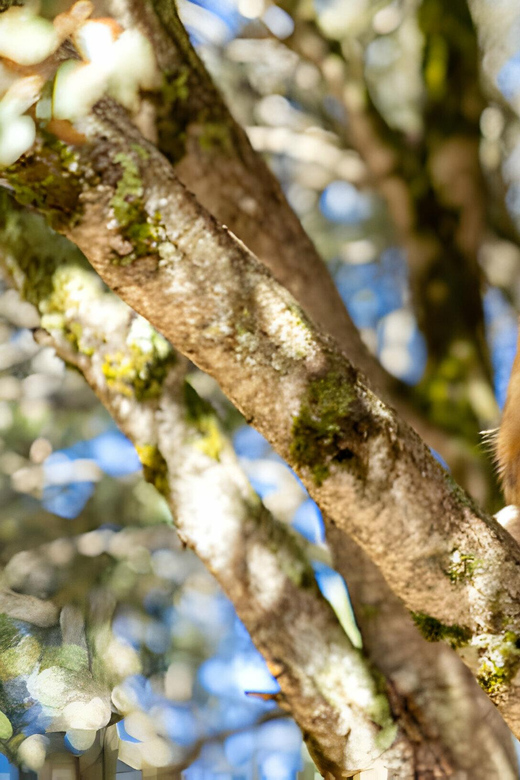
[259, 563]
[216, 162]
[219, 175]
[366, 469]
[213, 157]
[73, 321]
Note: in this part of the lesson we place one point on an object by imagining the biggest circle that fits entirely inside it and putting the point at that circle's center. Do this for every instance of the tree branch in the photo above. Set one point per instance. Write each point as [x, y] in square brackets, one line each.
[259, 562]
[365, 468]
[73, 322]
[220, 175]
[430, 682]
[211, 154]
[230, 179]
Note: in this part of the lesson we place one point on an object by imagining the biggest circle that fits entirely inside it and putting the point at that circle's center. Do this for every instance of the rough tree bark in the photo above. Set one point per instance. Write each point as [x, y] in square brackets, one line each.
[199, 467]
[215, 160]
[206, 292]
[259, 563]
[432, 183]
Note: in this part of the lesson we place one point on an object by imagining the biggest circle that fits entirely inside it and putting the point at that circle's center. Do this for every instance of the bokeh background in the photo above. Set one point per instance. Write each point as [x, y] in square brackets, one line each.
[77, 518]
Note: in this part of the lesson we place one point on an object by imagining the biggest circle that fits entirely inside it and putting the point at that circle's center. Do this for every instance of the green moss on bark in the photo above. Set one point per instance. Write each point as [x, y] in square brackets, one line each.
[435, 631]
[319, 430]
[173, 115]
[155, 468]
[137, 227]
[41, 261]
[48, 180]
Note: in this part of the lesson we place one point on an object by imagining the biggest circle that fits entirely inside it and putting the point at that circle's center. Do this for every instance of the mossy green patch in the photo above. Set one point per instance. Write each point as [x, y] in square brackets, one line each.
[173, 116]
[380, 711]
[435, 67]
[175, 87]
[493, 678]
[435, 631]
[39, 253]
[129, 189]
[140, 151]
[450, 64]
[47, 181]
[203, 418]
[444, 397]
[155, 468]
[50, 271]
[137, 227]
[73, 334]
[187, 99]
[318, 432]
[215, 135]
[69, 284]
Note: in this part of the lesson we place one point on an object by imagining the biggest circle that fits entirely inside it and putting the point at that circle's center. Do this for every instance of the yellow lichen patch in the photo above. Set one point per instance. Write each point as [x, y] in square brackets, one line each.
[207, 435]
[211, 440]
[138, 373]
[119, 372]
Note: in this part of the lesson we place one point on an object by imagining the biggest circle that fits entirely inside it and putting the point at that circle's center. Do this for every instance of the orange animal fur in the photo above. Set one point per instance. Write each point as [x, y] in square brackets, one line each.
[507, 443]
